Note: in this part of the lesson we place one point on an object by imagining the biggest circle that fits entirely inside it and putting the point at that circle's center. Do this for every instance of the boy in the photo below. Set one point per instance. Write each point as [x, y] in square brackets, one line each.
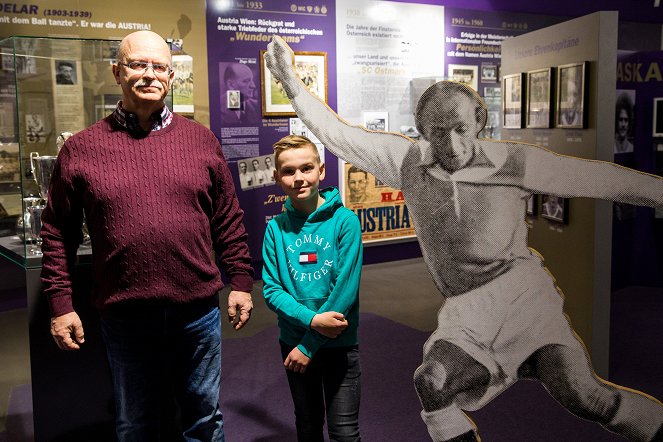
[312, 265]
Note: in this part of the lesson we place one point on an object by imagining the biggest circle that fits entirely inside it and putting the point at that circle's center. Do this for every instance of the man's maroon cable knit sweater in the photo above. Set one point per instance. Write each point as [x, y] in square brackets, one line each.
[155, 207]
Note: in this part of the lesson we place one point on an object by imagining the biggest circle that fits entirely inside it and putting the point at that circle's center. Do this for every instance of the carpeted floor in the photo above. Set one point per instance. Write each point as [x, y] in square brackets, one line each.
[399, 305]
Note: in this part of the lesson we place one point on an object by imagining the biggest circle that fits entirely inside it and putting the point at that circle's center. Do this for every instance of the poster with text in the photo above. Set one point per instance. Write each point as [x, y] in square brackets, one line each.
[237, 33]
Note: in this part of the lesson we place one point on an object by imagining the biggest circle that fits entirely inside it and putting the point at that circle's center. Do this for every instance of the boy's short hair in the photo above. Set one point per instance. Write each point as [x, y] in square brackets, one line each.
[293, 142]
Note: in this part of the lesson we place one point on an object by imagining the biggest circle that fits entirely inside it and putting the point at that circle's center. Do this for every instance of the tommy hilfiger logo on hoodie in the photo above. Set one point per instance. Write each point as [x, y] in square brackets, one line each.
[314, 247]
[308, 258]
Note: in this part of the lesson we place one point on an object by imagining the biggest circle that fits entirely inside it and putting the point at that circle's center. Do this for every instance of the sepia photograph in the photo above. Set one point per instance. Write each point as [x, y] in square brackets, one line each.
[233, 100]
[256, 172]
[65, 72]
[571, 95]
[539, 98]
[311, 68]
[375, 120]
[464, 73]
[489, 73]
[512, 101]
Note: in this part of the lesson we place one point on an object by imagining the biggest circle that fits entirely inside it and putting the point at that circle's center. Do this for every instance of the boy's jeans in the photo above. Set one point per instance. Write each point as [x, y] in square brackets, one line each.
[332, 378]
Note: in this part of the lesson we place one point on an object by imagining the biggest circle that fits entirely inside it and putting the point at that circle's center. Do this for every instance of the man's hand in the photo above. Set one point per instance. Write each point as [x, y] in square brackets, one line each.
[67, 330]
[280, 60]
[239, 308]
[329, 324]
[296, 361]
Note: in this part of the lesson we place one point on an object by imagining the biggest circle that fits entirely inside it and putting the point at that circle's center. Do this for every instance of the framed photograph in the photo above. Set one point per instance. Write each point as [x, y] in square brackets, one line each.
[311, 67]
[624, 121]
[572, 89]
[555, 208]
[376, 120]
[489, 73]
[539, 98]
[658, 118]
[464, 73]
[531, 205]
[492, 92]
[513, 92]
[182, 84]
[232, 99]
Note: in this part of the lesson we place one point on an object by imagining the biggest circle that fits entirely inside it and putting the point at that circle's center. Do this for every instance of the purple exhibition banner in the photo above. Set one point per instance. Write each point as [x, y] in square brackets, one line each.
[646, 11]
[473, 43]
[639, 85]
[237, 32]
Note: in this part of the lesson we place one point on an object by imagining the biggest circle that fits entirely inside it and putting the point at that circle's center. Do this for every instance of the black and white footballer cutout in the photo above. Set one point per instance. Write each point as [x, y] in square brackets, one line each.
[502, 317]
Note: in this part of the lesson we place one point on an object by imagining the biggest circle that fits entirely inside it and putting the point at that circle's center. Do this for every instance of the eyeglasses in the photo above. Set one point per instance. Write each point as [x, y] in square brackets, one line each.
[142, 66]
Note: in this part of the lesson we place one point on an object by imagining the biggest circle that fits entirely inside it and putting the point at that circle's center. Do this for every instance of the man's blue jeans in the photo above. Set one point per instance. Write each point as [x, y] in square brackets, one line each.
[331, 381]
[165, 359]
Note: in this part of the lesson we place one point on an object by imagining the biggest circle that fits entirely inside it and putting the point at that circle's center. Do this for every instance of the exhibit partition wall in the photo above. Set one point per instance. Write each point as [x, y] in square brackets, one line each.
[575, 58]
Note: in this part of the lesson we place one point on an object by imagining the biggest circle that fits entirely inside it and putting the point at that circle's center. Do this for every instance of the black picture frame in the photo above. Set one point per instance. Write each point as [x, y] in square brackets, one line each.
[540, 98]
[572, 95]
[657, 125]
[513, 93]
[555, 209]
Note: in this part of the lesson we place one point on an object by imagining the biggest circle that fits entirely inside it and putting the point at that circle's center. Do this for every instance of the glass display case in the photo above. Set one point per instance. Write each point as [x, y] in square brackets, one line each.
[48, 87]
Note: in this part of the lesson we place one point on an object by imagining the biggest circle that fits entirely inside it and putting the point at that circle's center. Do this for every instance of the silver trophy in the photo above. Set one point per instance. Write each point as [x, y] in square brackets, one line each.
[35, 228]
[42, 169]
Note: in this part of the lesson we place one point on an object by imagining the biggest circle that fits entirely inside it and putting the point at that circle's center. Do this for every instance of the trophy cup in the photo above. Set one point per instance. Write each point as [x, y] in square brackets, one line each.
[42, 169]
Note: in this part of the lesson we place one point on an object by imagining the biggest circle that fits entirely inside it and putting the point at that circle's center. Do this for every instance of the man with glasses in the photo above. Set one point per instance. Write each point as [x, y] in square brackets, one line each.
[159, 200]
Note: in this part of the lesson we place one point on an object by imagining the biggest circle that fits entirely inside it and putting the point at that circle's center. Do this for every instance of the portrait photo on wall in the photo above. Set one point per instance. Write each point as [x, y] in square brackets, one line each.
[555, 208]
[233, 99]
[513, 89]
[65, 72]
[539, 98]
[571, 95]
[35, 128]
[241, 79]
[311, 68]
[489, 73]
[657, 125]
[624, 120]
[464, 73]
[256, 172]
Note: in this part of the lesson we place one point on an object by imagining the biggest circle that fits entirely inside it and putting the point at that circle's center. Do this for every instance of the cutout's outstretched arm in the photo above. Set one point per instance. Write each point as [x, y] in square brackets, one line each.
[380, 153]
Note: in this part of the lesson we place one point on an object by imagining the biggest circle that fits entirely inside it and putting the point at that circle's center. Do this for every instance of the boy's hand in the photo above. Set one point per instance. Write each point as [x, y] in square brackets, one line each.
[296, 361]
[329, 324]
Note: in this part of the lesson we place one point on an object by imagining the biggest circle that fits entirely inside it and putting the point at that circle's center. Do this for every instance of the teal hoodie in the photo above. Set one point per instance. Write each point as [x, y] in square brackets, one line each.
[312, 264]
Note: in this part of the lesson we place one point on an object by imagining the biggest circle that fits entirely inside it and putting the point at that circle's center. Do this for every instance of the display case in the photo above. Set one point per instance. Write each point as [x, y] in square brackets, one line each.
[48, 86]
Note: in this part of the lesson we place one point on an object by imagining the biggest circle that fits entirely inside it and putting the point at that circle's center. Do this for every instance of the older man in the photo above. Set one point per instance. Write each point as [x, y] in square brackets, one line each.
[502, 319]
[159, 200]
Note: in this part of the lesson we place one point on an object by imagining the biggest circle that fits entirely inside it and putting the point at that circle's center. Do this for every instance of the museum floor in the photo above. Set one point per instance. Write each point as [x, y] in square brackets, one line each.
[399, 305]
